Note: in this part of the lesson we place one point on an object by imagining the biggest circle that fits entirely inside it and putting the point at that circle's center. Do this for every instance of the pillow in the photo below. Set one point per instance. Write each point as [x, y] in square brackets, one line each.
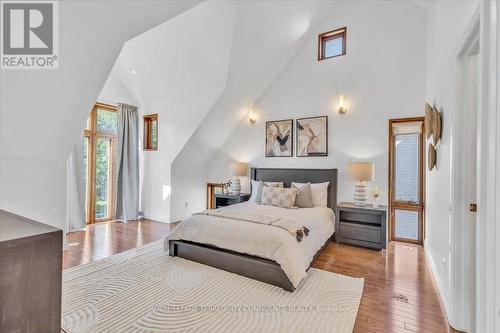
[279, 196]
[257, 187]
[319, 193]
[303, 198]
[274, 184]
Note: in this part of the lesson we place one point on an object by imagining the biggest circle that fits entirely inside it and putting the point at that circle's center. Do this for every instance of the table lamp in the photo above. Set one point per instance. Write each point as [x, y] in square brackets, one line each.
[237, 169]
[361, 172]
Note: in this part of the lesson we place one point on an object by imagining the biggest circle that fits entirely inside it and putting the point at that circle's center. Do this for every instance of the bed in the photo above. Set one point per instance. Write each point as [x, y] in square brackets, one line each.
[259, 251]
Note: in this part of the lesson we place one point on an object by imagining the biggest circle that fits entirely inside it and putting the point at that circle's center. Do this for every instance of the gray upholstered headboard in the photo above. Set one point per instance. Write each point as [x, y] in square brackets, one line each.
[300, 176]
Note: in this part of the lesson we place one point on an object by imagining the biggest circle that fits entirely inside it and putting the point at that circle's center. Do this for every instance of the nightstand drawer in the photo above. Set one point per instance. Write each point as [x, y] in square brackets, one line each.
[360, 217]
[360, 232]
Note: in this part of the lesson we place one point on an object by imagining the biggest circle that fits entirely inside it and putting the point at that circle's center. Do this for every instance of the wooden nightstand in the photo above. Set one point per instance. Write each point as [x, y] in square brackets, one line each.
[222, 200]
[362, 226]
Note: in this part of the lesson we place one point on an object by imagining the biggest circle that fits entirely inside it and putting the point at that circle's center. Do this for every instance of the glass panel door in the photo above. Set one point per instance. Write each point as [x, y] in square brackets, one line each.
[102, 178]
[99, 164]
[406, 179]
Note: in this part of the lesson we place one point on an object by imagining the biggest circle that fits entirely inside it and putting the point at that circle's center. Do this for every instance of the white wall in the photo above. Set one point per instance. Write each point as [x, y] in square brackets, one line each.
[42, 111]
[446, 26]
[258, 55]
[381, 77]
[180, 71]
[114, 92]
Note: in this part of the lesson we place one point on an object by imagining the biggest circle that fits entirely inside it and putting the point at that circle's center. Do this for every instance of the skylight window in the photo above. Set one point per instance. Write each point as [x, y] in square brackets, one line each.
[332, 43]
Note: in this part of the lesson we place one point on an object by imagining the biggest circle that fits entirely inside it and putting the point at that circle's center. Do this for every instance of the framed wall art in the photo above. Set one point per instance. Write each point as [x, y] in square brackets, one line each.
[312, 136]
[279, 138]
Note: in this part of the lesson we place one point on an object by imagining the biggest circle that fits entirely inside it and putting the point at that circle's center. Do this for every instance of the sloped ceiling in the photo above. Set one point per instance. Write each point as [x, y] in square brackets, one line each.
[179, 69]
[201, 70]
[43, 111]
[266, 36]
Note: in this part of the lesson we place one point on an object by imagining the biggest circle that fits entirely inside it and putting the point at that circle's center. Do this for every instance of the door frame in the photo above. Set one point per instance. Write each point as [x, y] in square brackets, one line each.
[392, 204]
[462, 277]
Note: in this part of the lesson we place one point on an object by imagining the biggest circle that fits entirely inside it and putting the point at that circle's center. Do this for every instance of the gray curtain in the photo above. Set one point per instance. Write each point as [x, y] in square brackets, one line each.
[76, 188]
[127, 190]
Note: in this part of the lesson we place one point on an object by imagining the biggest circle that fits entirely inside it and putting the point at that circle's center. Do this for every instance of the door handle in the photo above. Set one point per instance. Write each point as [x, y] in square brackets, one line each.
[473, 207]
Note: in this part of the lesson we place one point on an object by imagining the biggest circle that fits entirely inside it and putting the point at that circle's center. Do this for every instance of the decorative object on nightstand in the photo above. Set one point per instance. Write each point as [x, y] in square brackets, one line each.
[226, 187]
[361, 226]
[237, 169]
[376, 195]
[222, 200]
[361, 172]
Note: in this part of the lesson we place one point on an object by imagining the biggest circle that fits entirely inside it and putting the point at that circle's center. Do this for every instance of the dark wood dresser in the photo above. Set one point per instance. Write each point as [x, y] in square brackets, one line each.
[30, 275]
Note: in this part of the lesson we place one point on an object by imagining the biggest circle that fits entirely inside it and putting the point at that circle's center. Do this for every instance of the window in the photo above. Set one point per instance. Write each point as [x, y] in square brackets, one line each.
[99, 163]
[332, 44]
[406, 179]
[151, 132]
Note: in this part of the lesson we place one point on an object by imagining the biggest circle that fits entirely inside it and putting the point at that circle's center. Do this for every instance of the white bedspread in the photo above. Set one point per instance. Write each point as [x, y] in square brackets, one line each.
[262, 240]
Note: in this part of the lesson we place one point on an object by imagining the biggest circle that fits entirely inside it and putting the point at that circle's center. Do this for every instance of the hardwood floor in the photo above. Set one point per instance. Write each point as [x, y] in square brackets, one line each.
[399, 295]
[102, 240]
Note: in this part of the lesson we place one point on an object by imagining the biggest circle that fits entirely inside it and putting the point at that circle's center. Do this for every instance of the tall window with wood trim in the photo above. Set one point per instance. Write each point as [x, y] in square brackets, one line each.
[332, 44]
[406, 179]
[151, 132]
[99, 140]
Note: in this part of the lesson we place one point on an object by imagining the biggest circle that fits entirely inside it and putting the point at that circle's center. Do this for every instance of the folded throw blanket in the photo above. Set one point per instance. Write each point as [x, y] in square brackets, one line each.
[291, 226]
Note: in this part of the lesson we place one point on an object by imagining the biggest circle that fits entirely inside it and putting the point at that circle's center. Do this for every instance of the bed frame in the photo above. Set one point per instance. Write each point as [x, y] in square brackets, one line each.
[257, 268]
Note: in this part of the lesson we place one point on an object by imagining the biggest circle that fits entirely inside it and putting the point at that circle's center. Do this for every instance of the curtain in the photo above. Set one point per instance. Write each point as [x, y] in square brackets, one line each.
[76, 188]
[127, 189]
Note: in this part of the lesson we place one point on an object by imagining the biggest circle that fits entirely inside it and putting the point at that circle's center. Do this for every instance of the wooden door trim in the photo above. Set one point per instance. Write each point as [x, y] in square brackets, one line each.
[93, 134]
[393, 204]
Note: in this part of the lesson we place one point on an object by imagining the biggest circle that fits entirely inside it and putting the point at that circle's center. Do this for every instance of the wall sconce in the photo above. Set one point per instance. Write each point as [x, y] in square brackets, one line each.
[342, 108]
[251, 117]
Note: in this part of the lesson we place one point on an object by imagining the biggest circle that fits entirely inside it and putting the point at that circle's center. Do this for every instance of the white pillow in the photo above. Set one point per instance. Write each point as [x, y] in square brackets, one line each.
[319, 193]
[257, 192]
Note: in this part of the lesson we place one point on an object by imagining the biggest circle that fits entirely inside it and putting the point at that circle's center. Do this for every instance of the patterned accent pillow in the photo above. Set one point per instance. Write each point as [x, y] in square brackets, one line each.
[278, 196]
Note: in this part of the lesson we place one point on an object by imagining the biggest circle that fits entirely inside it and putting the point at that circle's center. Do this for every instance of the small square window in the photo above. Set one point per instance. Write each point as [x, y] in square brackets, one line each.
[151, 132]
[332, 44]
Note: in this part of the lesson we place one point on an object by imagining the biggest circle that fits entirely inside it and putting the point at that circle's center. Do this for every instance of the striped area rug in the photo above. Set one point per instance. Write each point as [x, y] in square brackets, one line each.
[143, 290]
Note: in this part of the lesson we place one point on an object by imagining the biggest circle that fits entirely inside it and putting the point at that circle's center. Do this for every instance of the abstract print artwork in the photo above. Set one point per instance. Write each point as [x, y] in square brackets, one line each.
[312, 136]
[279, 138]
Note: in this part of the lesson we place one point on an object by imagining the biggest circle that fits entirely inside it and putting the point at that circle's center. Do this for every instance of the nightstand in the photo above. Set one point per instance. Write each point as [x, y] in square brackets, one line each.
[361, 226]
[222, 200]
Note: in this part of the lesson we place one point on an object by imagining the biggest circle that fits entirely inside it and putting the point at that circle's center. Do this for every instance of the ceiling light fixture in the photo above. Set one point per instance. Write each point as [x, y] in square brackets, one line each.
[133, 71]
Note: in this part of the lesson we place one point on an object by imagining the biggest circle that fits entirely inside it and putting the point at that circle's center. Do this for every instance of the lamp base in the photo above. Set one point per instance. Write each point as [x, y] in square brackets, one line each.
[360, 194]
[235, 186]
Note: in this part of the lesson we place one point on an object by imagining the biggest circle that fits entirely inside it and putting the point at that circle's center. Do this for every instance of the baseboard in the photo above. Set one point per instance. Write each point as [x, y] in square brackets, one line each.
[443, 292]
[157, 218]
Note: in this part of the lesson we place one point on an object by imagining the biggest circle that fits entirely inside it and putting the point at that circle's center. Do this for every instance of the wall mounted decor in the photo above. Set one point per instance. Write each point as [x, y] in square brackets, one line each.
[429, 112]
[342, 108]
[432, 129]
[312, 136]
[436, 126]
[431, 157]
[279, 138]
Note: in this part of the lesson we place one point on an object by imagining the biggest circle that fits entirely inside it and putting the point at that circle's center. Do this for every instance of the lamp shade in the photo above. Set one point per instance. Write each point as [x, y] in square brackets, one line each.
[362, 171]
[239, 169]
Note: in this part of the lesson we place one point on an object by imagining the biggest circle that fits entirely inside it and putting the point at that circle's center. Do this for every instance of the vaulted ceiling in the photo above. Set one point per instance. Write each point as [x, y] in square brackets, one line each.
[44, 111]
[211, 62]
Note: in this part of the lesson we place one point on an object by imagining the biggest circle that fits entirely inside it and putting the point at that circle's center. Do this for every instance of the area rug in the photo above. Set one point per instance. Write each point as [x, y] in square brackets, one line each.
[144, 290]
